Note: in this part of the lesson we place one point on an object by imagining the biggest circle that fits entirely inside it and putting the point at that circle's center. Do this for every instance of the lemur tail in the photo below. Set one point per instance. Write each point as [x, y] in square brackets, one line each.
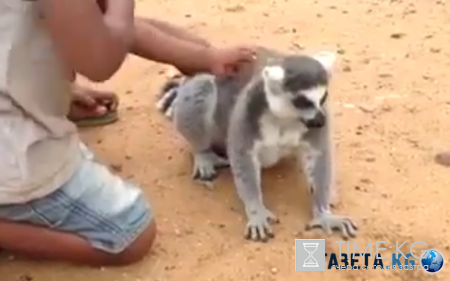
[168, 93]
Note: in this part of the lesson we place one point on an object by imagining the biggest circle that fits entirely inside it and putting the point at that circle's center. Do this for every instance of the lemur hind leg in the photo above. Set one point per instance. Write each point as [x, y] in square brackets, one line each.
[193, 117]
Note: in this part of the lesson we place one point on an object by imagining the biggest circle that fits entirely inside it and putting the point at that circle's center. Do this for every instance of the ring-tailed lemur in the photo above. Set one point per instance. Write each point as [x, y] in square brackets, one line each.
[275, 108]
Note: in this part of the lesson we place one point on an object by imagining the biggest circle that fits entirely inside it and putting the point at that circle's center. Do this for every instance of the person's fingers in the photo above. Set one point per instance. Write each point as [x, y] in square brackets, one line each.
[79, 112]
[84, 100]
[100, 95]
[100, 110]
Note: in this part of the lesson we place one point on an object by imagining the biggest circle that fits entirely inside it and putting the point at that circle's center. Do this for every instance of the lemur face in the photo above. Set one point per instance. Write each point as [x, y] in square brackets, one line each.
[298, 87]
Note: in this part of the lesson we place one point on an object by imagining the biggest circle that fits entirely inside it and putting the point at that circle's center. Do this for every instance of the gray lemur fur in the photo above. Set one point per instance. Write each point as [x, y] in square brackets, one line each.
[274, 108]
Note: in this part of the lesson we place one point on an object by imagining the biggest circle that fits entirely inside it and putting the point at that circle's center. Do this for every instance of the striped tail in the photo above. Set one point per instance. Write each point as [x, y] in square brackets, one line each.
[169, 92]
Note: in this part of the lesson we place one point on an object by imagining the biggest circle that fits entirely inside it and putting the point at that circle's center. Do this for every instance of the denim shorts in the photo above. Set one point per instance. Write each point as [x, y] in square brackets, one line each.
[94, 204]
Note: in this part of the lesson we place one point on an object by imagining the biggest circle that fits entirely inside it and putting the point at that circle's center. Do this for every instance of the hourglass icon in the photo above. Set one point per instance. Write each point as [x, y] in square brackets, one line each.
[310, 260]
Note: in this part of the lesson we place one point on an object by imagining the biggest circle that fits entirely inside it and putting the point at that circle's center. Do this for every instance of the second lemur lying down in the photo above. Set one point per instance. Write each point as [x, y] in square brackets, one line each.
[274, 108]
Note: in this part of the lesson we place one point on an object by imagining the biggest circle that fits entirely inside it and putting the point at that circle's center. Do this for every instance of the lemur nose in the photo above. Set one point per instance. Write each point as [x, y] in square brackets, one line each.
[317, 122]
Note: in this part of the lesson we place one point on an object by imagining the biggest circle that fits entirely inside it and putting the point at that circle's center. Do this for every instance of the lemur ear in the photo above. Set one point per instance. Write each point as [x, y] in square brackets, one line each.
[326, 59]
[273, 73]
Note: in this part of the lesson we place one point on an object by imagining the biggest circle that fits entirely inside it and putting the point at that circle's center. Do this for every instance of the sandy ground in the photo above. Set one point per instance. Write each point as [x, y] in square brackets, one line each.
[391, 109]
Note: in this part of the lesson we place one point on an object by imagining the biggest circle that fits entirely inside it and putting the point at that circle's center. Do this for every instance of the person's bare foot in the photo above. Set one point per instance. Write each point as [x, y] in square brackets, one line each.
[91, 107]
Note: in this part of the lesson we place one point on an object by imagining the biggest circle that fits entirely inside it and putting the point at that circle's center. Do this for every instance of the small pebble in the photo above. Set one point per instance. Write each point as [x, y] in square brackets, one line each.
[386, 108]
[367, 108]
[169, 267]
[235, 9]
[398, 35]
[366, 181]
[298, 46]
[385, 75]
[435, 50]
[370, 159]
[443, 159]
[117, 167]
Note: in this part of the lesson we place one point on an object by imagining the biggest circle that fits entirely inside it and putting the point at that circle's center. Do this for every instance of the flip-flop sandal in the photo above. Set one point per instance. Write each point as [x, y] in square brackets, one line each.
[109, 117]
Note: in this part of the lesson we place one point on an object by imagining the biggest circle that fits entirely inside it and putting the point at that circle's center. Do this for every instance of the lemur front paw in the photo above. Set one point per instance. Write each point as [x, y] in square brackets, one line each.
[331, 222]
[206, 165]
[259, 224]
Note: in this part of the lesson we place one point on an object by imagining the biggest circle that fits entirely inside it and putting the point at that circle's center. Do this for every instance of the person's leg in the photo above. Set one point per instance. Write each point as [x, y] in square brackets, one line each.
[33, 242]
[94, 219]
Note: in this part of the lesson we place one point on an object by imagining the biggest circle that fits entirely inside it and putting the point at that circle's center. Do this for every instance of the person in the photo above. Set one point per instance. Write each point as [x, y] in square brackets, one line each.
[56, 201]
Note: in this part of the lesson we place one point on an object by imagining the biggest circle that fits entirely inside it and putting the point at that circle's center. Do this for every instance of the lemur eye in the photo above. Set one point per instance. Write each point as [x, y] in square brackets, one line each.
[302, 102]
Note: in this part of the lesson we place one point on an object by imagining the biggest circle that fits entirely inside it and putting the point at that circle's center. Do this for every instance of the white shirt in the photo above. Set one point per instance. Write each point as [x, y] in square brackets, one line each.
[39, 147]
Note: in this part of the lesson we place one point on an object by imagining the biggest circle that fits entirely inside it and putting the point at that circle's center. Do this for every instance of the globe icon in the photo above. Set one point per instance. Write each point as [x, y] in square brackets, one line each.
[432, 261]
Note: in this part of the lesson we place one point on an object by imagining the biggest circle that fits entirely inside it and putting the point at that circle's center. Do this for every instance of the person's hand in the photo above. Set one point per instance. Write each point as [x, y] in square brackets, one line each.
[226, 61]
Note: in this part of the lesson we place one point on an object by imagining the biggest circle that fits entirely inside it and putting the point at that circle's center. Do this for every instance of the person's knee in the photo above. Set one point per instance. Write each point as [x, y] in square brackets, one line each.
[137, 250]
